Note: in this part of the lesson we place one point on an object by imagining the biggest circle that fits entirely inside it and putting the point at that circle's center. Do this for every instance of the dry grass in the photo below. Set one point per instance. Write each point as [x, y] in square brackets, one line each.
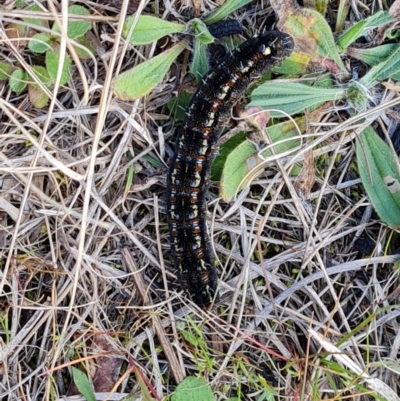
[87, 279]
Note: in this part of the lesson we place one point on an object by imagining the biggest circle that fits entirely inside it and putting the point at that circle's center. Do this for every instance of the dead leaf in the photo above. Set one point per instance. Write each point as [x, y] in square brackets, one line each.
[314, 48]
[108, 367]
[391, 86]
[105, 370]
[256, 116]
[306, 178]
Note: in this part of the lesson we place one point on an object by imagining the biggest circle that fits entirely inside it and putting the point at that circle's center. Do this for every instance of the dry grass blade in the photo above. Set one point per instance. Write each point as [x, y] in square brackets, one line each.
[158, 327]
[309, 276]
[374, 384]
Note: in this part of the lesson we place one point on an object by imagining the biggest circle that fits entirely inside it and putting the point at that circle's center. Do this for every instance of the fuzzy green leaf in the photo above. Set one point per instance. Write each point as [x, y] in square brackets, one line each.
[243, 159]
[40, 43]
[192, 389]
[149, 29]
[5, 70]
[20, 4]
[341, 14]
[226, 9]
[292, 98]
[18, 81]
[199, 65]
[380, 176]
[42, 74]
[201, 32]
[384, 70]
[242, 156]
[361, 28]
[225, 150]
[83, 384]
[52, 62]
[296, 64]
[140, 80]
[76, 29]
[35, 21]
[374, 55]
[357, 96]
[87, 51]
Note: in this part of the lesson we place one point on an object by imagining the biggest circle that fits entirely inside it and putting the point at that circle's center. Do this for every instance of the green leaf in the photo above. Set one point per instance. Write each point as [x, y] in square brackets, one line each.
[37, 96]
[153, 161]
[342, 11]
[199, 65]
[149, 29]
[20, 4]
[140, 80]
[245, 156]
[331, 382]
[395, 34]
[40, 43]
[52, 62]
[380, 176]
[357, 96]
[361, 28]
[384, 70]
[224, 151]
[192, 389]
[5, 70]
[201, 32]
[292, 98]
[297, 64]
[76, 29]
[87, 51]
[189, 337]
[83, 384]
[226, 9]
[373, 55]
[35, 21]
[285, 135]
[42, 74]
[18, 81]
[238, 164]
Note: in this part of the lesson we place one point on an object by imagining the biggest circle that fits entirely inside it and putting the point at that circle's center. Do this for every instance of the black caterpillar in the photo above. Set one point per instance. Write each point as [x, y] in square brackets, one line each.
[195, 149]
[225, 27]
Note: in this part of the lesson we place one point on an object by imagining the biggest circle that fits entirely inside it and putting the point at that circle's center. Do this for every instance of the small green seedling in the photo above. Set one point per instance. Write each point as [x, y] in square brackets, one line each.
[40, 79]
